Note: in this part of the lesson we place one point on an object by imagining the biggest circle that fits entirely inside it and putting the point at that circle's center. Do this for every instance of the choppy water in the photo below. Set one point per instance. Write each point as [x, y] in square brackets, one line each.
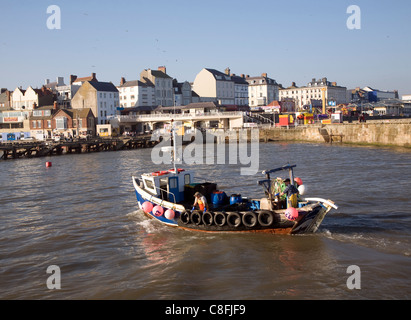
[81, 215]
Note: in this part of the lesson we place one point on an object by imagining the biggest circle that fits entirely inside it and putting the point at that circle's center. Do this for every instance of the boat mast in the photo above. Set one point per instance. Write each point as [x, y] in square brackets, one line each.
[173, 141]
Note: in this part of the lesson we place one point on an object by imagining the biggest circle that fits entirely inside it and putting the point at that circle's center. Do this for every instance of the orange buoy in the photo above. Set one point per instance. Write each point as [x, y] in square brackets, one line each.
[48, 164]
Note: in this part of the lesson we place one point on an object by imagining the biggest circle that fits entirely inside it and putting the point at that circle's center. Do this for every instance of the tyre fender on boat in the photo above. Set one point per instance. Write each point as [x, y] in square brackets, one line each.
[195, 217]
[234, 219]
[265, 218]
[185, 217]
[220, 219]
[249, 219]
[208, 218]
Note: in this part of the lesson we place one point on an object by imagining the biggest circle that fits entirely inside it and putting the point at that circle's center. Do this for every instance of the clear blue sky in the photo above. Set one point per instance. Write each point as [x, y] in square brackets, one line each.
[289, 40]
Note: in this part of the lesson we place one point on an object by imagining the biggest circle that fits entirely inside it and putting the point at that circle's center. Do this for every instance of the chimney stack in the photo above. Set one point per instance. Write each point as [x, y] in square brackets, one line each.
[72, 78]
[47, 81]
[93, 77]
[264, 75]
[122, 81]
[242, 75]
[55, 105]
[162, 69]
[34, 105]
[227, 71]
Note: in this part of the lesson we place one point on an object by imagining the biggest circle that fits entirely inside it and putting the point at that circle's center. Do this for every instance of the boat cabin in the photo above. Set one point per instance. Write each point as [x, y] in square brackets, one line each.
[167, 185]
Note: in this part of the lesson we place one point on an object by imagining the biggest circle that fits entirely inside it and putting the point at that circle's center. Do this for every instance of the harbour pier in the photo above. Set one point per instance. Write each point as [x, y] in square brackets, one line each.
[25, 149]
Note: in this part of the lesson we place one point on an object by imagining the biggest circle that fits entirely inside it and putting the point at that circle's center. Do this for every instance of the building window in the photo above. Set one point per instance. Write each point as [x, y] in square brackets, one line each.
[61, 123]
[48, 123]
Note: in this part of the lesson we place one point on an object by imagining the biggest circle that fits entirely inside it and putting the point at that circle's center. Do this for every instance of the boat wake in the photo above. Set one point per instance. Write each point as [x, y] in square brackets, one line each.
[387, 243]
[148, 225]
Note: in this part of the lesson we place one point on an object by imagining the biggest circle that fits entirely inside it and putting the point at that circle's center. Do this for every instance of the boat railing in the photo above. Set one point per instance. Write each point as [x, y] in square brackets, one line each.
[327, 202]
[161, 189]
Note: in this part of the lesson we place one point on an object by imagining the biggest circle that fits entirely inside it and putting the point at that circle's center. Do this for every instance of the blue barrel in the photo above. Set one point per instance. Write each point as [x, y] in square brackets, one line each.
[218, 197]
[235, 198]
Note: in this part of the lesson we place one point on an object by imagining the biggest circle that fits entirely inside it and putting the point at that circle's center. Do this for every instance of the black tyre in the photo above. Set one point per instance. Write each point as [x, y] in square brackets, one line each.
[220, 219]
[265, 218]
[185, 217]
[195, 217]
[250, 219]
[234, 219]
[208, 218]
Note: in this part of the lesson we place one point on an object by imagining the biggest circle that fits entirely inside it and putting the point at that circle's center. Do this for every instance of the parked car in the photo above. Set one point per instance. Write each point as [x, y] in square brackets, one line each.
[27, 138]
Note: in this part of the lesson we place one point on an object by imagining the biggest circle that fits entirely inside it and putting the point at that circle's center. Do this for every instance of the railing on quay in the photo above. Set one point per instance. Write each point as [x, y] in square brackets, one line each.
[167, 116]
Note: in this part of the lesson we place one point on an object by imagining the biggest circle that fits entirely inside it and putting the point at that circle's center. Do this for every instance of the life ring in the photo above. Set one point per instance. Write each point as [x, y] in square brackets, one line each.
[265, 218]
[250, 219]
[234, 219]
[208, 218]
[178, 170]
[195, 217]
[159, 173]
[220, 219]
[185, 217]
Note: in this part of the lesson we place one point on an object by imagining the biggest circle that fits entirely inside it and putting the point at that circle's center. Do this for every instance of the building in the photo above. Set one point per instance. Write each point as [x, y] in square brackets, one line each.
[405, 97]
[163, 84]
[14, 121]
[79, 81]
[31, 98]
[262, 90]
[64, 92]
[49, 121]
[136, 93]
[74, 122]
[5, 98]
[240, 90]
[101, 97]
[389, 107]
[213, 85]
[316, 93]
[357, 95]
[183, 95]
[375, 95]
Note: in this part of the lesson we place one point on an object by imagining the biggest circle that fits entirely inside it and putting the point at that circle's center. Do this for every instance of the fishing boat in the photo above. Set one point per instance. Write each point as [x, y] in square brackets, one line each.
[168, 196]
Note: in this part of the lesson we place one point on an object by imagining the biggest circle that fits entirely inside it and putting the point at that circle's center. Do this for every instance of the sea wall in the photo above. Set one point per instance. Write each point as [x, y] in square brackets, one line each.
[385, 133]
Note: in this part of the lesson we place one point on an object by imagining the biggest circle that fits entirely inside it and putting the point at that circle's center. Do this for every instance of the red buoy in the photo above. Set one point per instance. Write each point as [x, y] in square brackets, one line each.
[48, 164]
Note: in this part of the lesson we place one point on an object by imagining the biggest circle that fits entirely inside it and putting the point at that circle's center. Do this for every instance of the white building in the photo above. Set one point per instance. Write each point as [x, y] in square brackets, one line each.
[406, 97]
[213, 85]
[136, 93]
[262, 90]
[314, 93]
[240, 90]
[31, 98]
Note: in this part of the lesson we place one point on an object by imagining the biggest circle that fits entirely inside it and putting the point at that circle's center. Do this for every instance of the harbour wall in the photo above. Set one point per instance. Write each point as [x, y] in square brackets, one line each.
[384, 133]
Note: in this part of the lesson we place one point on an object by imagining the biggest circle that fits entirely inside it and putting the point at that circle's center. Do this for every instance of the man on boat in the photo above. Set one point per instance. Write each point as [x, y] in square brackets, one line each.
[291, 191]
[201, 201]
